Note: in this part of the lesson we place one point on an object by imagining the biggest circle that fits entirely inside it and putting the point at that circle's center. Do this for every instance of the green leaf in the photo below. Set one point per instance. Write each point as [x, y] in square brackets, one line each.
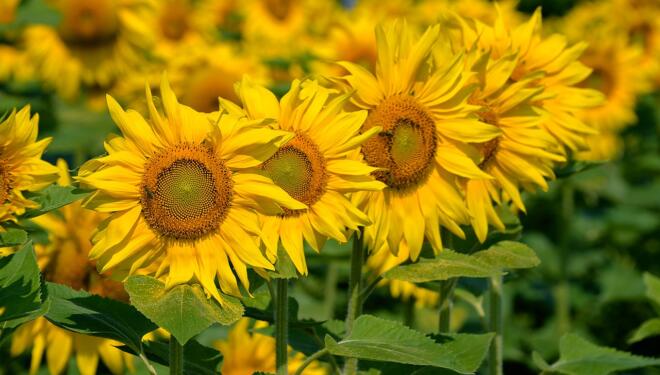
[509, 255]
[649, 328]
[183, 310]
[284, 267]
[578, 356]
[38, 12]
[52, 198]
[89, 314]
[197, 358]
[20, 287]
[652, 287]
[377, 339]
[13, 237]
[446, 265]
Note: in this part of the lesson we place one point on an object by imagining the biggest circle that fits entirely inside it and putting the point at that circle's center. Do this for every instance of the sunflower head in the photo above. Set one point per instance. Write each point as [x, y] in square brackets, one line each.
[182, 191]
[21, 167]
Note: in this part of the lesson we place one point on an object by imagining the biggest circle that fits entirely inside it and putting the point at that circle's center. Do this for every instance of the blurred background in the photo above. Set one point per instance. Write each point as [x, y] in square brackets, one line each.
[597, 230]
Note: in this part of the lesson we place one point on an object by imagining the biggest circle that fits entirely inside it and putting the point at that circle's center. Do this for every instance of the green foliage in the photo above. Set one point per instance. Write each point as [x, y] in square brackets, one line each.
[13, 237]
[377, 339]
[52, 198]
[580, 357]
[449, 264]
[197, 358]
[184, 310]
[652, 288]
[81, 312]
[284, 267]
[21, 296]
[648, 329]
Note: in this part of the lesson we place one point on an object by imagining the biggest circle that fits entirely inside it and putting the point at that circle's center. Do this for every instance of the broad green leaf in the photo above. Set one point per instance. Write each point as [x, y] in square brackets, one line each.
[446, 265]
[509, 255]
[183, 310]
[13, 237]
[20, 287]
[377, 339]
[649, 328]
[94, 315]
[578, 356]
[284, 267]
[52, 198]
[652, 287]
[197, 358]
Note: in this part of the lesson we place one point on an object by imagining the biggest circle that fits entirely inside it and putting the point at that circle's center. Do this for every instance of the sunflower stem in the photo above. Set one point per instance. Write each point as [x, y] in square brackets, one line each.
[176, 357]
[354, 295]
[311, 359]
[281, 316]
[561, 290]
[445, 304]
[496, 325]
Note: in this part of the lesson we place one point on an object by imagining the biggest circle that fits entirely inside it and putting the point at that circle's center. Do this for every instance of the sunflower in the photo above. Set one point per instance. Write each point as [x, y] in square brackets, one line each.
[8, 11]
[429, 12]
[199, 77]
[21, 167]
[64, 261]
[175, 26]
[315, 167]
[524, 153]
[246, 353]
[426, 122]
[95, 42]
[382, 260]
[618, 71]
[181, 201]
[552, 63]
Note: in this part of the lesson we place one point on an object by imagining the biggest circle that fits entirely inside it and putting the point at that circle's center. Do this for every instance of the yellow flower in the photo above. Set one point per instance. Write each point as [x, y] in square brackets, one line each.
[555, 65]
[382, 260]
[21, 167]
[64, 260]
[426, 122]
[201, 76]
[619, 70]
[315, 167]
[175, 26]
[95, 42]
[245, 353]
[181, 201]
[524, 154]
[429, 12]
[8, 10]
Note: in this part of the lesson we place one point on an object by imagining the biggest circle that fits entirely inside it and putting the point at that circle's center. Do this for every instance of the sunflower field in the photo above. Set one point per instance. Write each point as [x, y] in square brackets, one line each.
[311, 187]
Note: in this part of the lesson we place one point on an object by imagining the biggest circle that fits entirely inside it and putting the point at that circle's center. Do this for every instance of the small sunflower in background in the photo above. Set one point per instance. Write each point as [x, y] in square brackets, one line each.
[181, 201]
[619, 71]
[8, 11]
[64, 261]
[21, 167]
[524, 154]
[426, 123]
[246, 353]
[316, 167]
[174, 26]
[199, 77]
[94, 43]
[430, 12]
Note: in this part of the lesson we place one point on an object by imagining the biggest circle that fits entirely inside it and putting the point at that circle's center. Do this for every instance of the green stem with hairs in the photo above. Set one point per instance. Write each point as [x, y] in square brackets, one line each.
[311, 359]
[281, 317]
[446, 303]
[354, 295]
[561, 291]
[176, 357]
[496, 325]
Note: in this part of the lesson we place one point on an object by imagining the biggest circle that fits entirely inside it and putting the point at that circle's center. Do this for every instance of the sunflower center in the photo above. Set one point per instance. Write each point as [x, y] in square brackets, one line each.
[205, 88]
[299, 168]
[5, 184]
[69, 267]
[600, 79]
[174, 20]
[186, 192]
[406, 147]
[89, 22]
[278, 8]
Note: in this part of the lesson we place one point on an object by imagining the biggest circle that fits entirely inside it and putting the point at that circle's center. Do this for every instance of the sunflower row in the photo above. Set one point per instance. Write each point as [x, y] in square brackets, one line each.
[441, 127]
